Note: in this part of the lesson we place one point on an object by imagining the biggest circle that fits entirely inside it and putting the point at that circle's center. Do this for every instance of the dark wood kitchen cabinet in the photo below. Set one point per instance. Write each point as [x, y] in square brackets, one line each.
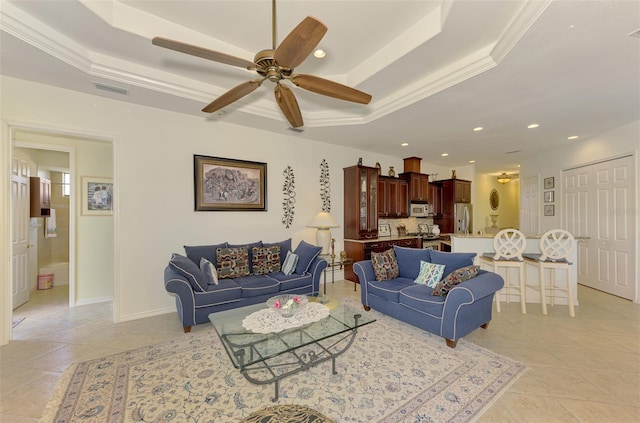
[39, 196]
[360, 202]
[418, 186]
[361, 250]
[393, 197]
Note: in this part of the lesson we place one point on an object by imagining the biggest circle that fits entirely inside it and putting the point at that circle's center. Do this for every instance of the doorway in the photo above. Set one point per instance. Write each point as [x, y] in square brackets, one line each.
[48, 250]
[91, 263]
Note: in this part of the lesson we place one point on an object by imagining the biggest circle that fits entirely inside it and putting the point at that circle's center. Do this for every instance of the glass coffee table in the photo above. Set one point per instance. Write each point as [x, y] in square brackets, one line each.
[265, 358]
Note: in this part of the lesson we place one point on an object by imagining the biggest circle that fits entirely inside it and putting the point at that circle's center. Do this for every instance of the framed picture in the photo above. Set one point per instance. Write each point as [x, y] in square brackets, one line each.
[384, 229]
[97, 196]
[549, 210]
[549, 183]
[229, 185]
[548, 196]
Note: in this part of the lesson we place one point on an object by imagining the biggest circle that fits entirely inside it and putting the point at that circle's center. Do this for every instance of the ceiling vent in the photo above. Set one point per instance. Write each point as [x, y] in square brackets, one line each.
[513, 151]
[111, 89]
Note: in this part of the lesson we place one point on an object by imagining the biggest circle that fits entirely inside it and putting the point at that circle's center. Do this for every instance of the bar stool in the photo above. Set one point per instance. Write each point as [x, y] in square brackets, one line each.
[555, 247]
[508, 245]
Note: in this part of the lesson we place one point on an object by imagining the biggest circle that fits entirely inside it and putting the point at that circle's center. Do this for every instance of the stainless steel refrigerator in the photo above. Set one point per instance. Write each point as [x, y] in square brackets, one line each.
[462, 218]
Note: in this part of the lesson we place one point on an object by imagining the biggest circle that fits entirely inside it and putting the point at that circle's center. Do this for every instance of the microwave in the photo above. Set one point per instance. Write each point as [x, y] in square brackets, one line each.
[418, 210]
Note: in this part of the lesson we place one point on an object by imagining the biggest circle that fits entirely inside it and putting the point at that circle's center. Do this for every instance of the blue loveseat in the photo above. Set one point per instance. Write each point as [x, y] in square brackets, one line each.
[197, 295]
[466, 307]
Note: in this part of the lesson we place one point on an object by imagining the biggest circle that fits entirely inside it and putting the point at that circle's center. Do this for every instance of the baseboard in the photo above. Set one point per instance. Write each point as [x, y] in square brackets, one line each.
[146, 314]
[89, 301]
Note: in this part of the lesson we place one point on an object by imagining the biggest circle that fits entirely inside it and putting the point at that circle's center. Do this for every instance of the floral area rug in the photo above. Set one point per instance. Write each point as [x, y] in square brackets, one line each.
[393, 372]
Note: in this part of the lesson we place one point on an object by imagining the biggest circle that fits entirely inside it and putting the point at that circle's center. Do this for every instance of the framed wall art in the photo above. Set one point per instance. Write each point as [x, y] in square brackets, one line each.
[549, 210]
[549, 183]
[97, 196]
[548, 196]
[229, 185]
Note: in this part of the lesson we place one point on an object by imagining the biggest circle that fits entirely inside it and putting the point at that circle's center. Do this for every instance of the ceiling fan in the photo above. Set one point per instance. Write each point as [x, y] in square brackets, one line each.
[276, 65]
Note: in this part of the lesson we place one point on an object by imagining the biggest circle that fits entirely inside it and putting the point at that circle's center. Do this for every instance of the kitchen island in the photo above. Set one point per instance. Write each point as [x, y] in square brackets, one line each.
[481, 244]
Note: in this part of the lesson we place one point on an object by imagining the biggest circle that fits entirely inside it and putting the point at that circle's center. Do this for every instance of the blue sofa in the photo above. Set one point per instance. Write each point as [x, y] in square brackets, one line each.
[466, 307]
[197, 296]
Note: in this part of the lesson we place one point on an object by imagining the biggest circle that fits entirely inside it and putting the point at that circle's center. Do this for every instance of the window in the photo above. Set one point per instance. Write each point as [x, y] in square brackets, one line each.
[66, 184]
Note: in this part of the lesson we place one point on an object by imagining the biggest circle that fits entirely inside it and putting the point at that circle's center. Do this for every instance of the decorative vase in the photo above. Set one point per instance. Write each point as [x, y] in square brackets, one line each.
[435, 229]
[453, 174]
[392, 172]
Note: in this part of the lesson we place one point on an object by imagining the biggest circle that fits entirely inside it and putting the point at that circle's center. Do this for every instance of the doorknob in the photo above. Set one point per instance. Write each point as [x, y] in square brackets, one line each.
[29, 245]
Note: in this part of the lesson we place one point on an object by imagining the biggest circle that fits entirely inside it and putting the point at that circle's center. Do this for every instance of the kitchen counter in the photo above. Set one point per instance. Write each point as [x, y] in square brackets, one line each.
[384, 238]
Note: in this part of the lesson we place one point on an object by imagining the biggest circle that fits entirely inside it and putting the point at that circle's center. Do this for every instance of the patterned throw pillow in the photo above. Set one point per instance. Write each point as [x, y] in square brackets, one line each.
[385, 265]
[265, 260]
[209, 271]
[290, 263]
[430, 274]
[453, 279]
[232, 262]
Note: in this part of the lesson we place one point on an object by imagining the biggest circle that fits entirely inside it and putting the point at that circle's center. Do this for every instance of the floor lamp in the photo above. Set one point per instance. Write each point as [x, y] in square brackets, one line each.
[323, 222]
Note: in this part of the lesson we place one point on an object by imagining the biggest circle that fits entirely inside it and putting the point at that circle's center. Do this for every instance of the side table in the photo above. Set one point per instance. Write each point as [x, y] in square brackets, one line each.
[332, 264]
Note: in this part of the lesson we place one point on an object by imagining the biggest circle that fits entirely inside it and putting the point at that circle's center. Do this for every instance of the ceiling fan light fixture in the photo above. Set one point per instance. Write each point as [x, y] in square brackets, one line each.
[503, 178]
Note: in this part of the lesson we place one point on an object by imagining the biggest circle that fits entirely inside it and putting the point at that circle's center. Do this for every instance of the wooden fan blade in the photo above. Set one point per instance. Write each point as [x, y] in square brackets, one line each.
[232, 95]
[203, 52]
[300, 43]
[289, 105]
[330, 88]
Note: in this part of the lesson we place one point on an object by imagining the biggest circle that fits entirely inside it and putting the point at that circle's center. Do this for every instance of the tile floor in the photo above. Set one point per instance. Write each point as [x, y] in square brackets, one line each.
[582, 369]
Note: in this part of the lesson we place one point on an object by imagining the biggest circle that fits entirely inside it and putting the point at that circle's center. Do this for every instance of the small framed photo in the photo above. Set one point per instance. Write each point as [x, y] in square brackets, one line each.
[548, 196]
[549, 210]
[384, 229]
[549, 183]
[97, 196]
[229, 185]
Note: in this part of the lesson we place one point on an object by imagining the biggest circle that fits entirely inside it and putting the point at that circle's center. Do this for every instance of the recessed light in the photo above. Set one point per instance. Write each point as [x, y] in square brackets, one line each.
[404, 144]
[533, 125]
[572, 137]
[444, 154]
[472, 161]
[478, 129]
[319, 53]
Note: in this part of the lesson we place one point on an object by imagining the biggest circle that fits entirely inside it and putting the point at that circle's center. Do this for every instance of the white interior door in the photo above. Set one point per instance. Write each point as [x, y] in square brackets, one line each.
[20, 230]
[599, 201]
[529, 206]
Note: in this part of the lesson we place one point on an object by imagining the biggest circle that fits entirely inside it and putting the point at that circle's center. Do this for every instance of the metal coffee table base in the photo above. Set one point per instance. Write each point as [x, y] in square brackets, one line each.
[272, 369]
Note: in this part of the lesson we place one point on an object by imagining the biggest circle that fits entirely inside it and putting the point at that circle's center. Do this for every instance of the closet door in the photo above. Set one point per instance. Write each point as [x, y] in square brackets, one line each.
[599, 203]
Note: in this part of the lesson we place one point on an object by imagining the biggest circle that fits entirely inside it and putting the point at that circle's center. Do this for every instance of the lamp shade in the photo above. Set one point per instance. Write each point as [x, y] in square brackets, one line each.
[323, 220]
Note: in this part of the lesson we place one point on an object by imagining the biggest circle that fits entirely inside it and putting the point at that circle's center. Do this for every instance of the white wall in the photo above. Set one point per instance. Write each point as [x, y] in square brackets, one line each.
[615, 143]
[620, 141]
[153, 175]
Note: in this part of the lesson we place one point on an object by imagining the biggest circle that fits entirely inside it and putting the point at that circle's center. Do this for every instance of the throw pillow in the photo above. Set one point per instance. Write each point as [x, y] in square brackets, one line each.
[284, 247]
[209, 271]
[195, 253]
[290, 262]
[409, 260]
[265, 260]
[385, 265]
[452, 261]
[306, 254]
[233, 262]
[430, 274]
[249, 247]
[453, 279]
[189, 270]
